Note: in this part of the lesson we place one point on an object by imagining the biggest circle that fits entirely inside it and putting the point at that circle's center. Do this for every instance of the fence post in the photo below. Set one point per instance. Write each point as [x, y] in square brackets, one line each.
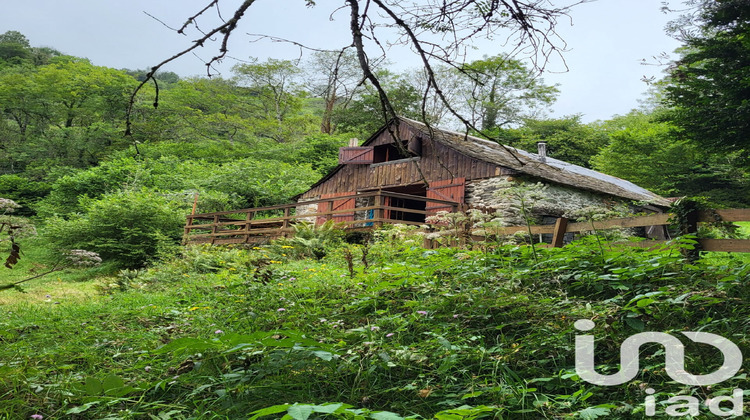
[214, 229]
[689, 226]
[561, 225]
[249, 216]
[378, 214]
[285, 223]
[188, 224]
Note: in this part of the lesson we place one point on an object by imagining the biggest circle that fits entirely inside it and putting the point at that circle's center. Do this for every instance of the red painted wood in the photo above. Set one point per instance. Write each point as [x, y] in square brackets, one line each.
[447, 189]
[345, 204]
[356, 155]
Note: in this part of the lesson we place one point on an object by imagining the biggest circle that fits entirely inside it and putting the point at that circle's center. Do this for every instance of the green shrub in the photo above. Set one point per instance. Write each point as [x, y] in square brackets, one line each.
[66, 191]
[22, 190]
[127, 227]
[312, 240]
[258, 183]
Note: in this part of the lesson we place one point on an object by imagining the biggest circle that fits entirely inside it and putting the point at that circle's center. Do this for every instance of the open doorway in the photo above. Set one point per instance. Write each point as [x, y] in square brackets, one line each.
[407, 204]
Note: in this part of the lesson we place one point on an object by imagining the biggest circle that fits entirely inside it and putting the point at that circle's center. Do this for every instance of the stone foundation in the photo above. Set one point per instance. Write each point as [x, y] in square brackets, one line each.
[303, 209]
[555, 201]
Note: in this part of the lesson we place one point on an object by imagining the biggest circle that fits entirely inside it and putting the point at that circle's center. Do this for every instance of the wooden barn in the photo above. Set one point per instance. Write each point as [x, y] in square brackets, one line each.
[431, 170]
[432, 167]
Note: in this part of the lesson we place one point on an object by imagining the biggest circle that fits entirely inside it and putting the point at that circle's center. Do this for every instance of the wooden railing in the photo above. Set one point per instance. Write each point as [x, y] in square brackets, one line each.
[262, 223]
[659, 220]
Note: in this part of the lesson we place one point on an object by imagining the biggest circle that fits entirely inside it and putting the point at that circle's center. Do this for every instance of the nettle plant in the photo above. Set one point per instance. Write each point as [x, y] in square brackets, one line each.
[591, 214]
[463, 227]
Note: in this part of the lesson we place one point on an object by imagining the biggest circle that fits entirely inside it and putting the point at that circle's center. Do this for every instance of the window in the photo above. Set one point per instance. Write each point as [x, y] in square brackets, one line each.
[390, 152]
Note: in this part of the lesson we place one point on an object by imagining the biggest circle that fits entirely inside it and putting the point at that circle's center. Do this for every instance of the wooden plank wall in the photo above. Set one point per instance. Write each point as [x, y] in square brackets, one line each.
[438, 162]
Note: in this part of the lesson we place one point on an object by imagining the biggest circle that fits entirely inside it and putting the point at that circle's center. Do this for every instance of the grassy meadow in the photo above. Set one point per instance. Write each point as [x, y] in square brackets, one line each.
[385, 330]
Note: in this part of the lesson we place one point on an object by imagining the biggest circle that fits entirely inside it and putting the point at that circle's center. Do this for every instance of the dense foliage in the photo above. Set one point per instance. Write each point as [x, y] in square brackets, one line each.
[220, 333]
[313, 327]
[709, 87]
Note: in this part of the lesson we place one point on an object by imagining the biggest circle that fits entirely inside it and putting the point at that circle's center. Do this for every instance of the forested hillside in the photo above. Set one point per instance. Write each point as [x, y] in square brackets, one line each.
[273, 128]
[106, 315]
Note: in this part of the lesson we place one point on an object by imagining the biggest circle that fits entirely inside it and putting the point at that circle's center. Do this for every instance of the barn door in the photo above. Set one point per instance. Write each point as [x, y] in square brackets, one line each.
[448, 190]
[344, 204]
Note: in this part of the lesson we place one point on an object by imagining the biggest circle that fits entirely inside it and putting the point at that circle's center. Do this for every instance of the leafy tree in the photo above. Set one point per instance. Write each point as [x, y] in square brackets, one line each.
[635, 151]
[320, 151]
[499, 91]
[79, 93]
[41, 56]
[360, 116]
[708, 87]
[197, 110]
[15, 37]
[277, 96]
[567, 138]
[15, 50]
[162, 77]
[335, 77]
[256, 183]
[63, 113]
[647, 152]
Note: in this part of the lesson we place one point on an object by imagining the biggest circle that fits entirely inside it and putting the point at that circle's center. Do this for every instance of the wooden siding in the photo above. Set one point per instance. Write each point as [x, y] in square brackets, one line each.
[438, 162]
[337, 205]
[356, 155]
[449, 190]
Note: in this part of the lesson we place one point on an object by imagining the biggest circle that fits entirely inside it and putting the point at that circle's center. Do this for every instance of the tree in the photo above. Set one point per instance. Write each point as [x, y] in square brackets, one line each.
[648, 152]
[197, 109]
[67, 111]
[15, 37]
[499, 91]
[403, 97]
[708, 88]
[567, 138]
[335, 77]
[15, 49]
[527, 26]
[277, 96]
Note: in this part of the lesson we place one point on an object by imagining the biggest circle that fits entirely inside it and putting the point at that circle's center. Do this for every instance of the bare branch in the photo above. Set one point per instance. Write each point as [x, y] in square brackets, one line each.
[259, 37]
[432, 81]
[191, 20]
[226, 29]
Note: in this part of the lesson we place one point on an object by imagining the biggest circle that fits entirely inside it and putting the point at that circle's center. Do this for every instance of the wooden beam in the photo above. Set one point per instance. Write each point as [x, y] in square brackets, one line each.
[625, 222]
[215, 226]
[728, 215]
[725, 245]
[561, 224]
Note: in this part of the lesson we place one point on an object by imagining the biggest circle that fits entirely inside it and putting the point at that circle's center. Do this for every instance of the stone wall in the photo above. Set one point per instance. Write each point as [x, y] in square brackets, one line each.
[360, 202]
[303, 209]
[555, 200]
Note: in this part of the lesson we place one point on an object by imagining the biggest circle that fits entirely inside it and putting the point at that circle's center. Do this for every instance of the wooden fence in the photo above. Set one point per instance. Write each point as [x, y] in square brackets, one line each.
[368, 210]
[362, 211]
[659, 221]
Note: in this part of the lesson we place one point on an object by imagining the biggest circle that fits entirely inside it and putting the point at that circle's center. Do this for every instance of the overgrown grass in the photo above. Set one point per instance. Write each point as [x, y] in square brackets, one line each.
[221, 333]
[69, 284]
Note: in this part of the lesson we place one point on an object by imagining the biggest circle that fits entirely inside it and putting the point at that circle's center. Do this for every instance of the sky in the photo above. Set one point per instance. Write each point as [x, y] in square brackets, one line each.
[602, 75]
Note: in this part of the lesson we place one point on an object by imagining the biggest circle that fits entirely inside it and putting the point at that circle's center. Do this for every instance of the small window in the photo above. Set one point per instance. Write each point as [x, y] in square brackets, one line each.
[390, 152]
